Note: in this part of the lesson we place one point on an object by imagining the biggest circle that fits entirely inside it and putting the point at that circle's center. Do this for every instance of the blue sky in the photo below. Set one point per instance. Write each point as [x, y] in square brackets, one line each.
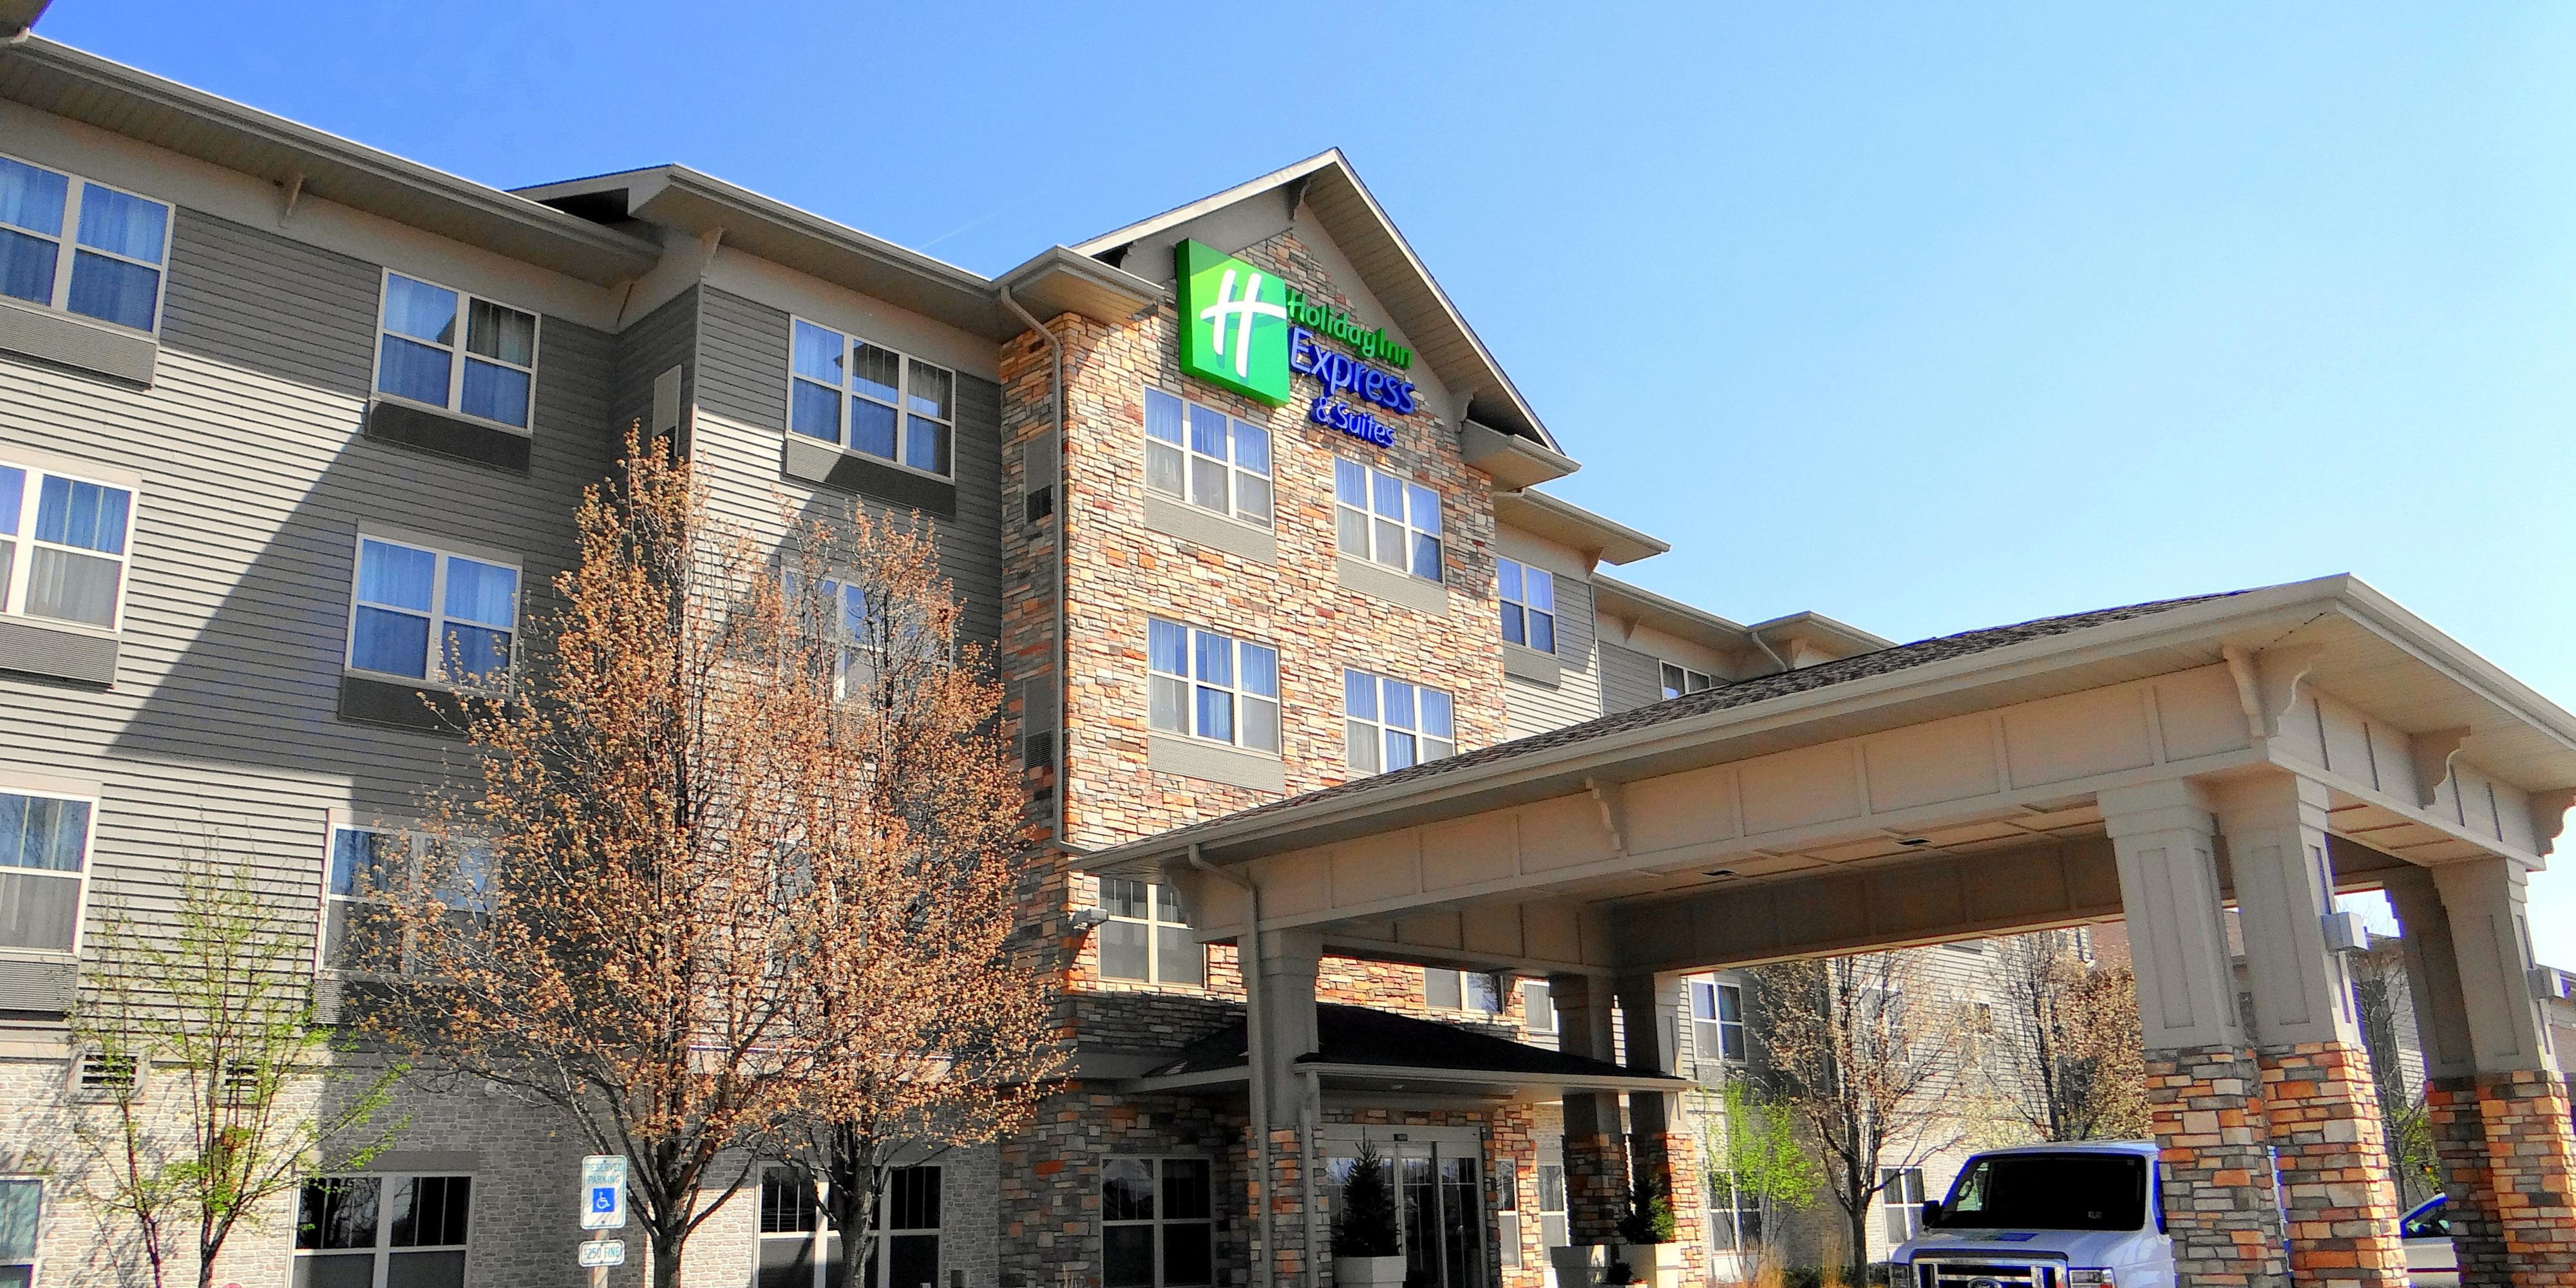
[1927, 317]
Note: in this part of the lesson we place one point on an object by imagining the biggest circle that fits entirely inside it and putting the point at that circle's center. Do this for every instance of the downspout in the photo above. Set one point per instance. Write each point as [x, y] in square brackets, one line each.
[1765, 646]
[1310, 1155]
[1063, 551]
[1255, 1052]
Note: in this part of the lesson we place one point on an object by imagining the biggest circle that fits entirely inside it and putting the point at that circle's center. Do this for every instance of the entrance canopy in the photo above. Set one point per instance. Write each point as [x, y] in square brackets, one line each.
[1361, 1049]
[1922, 792]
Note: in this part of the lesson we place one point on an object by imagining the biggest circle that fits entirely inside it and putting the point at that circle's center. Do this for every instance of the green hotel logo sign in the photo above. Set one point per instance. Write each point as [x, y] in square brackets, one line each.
[1234, 323]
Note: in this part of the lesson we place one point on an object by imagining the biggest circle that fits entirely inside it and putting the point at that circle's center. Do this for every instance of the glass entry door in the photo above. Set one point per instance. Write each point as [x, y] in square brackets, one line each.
[1441, 1197]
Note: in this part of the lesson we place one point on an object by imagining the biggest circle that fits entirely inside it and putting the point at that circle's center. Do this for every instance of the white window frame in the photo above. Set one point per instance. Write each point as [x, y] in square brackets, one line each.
[383, 1252]
[67, 246]
[1689, 681]
[1239, 697]
[1532, 577]
[436, 663]
[1188, 455]
[21, 557]
[35, 1262]
[1900, 1199]
[819, 1238]
[1155, 923]
[1489, 1002]
[1216, 1260]
[1380, 730]
[1534, 991]
[457, 353]
[1709, 1024]
[1729, 1217]
[89, 861]
[903, 408]
[415, 845]
[1373, 526]
[1553, 1227]
[1505, 1174]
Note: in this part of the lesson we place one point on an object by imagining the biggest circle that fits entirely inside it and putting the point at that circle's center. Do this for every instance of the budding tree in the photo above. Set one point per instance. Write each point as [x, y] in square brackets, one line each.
[2067, 1041]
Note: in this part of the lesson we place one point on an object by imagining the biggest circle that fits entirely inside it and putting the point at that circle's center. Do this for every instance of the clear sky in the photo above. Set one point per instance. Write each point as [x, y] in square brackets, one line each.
[1927, 317]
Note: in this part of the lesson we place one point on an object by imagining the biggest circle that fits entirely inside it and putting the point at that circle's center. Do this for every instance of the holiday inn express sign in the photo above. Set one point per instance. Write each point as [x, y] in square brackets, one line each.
[1244, 329]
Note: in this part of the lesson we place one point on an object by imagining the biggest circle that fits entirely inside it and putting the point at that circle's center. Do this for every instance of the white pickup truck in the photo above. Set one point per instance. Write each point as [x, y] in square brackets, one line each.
[2082, 1215]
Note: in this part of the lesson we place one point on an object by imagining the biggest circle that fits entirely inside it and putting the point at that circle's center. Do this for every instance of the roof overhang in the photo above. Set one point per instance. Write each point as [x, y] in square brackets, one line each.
[1515, 1084]
[1327, 186]
[1606, 540]
[1838, 638]
[1636, 604]
[1058, 280]
[1511, 460]
[2362, 646]
[18, 15]
[84, 87]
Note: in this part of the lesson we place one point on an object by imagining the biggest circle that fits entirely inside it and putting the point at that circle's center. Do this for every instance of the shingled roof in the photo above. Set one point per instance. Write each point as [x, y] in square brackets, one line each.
[1738, 693]
[1360, 1035]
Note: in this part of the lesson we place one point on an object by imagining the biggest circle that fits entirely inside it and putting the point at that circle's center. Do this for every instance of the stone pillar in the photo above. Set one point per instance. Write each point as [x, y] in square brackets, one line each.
[2450, 1075]
[1596, 1157]
[2319, 1100]
[2522, 1106]
[2203, 1086]
[1663, 1156]
[1283, 1028]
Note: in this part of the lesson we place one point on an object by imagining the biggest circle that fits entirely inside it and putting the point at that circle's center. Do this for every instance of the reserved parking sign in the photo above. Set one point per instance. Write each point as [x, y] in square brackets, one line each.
[603, 1192]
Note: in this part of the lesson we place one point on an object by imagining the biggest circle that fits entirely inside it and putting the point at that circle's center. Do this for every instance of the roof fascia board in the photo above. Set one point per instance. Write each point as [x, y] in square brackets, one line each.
[2459, 663]
[1708, 627]
[1498, 1077]
[604, 255]
[1182, 214]
[1068, 280]
[1616, 542]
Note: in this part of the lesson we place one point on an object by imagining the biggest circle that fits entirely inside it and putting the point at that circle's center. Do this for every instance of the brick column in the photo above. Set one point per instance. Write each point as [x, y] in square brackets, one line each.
[2468, 1179]
[1596, 1154]
[1285, 1196]
[2529, 1147]
[1662, 1160]
[2450, 1071]
[2320, 1104]
[2203, 1085]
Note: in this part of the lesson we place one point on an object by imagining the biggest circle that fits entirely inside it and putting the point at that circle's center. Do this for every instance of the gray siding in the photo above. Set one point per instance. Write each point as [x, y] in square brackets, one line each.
[661, 339]
[1576, 696]
[1629, 678]
[742, 354]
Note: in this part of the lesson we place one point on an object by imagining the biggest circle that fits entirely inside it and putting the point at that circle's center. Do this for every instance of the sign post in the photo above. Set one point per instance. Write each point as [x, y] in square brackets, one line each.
[603, 1208]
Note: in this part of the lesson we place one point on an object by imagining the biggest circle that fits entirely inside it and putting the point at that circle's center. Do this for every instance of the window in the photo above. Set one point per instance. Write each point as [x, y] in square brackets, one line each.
[1461, 990]
[1388, 724]
[1680, 680]
[1734, 1214]
[22, 1200]
[1538, 1007]
[365, 866]
[1145, 937]
[417, 358]
[1156, 1226]
[1529, 605]
[869, 399]
[361, 1231]
[1386, 520]
[62, 546]
[406, 595]
[44, 853]
[840, 610]
[1211, 686]
[110, 266]
[1507, 1210]
[1901, 1194]
[800, 1247]
[1717, 1020]
[1551, 1205]
[1201, 455]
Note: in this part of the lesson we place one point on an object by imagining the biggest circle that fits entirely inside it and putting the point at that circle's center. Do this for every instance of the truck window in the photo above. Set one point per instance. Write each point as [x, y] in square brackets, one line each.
[2048, 1192]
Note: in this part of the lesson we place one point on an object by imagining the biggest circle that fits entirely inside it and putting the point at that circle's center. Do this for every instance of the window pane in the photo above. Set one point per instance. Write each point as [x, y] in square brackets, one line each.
[1188, 1255]
[414, 371]
[814, 411]
[1167, 904]
[1260, 724]
[1481, 995]
[1185, 1189]
[1359, 746]
[361, 861]
[27, 267]
[1127, 1256]
[1251, 497]
[43, 832]
[1214, 656]
[19, 1202]
[1163, 469]
[1127, 1190]
[1179, 958]
[1387, 491]
[817, 354]
[929, 391]
[1426, 557]
[395, 576]
[127, 225]
[1515, 624]
[1251, 447]
[480, 592]
[499, 331]
[1390, 543]
[1399, 750]
[73, 587]
[474, 654]
[1122, 950]
[925, 445]
[32, 198]
[1350, 483]
[875, 371]
[1216, 714]
[912, 1261]
[1672, 680]
[495, 393]
[1436, 714]
[1507, 579]
[1423, 509]
[425, 1270]
[1542, 631]
[1542, 589]
[338, 1212]
[1207, 483]
[1436, 748]
[394, 643]
[1730, 1003]
[13, 485]
[1170, 702]
[1359, 695]
[112, 290]
[420, 310]
[344, 1270]
[38, 911]
[1207, 431]
[1122, 896]
[81, 514]
[1260, 670]
[1399, 704]
[1162, 416]
[1351, 531]
[1441, 988]
[1730, 1041]
[872, 428]
[1167, 646]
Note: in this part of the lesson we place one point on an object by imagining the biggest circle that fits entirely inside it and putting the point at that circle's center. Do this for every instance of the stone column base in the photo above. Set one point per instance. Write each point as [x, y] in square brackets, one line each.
[2531, 1155]
[2468, 1181]
[2322, 1111]
[1596, 1186]
[2208, 1110]
[1671, 1160]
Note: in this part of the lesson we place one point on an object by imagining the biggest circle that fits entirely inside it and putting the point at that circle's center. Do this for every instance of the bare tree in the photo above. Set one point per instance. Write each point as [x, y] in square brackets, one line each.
[217, 1083]
[925, 1034]
[1860, 1053]
[609, 922]
[2068, 1041]
[2380, 993]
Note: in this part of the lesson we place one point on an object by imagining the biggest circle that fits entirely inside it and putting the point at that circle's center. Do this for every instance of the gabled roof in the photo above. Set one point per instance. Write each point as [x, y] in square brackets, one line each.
[1326, 185]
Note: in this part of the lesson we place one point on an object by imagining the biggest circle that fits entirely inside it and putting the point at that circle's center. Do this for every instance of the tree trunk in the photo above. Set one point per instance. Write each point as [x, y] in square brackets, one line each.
[666, 1258]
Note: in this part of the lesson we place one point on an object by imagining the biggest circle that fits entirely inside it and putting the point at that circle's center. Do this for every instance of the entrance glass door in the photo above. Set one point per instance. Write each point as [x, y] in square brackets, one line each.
[1444, 1216]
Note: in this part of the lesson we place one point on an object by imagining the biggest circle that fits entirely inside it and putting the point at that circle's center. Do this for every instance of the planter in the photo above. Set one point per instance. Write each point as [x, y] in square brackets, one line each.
[1368, 1272]
[1651, 1265]
[1579, 1265]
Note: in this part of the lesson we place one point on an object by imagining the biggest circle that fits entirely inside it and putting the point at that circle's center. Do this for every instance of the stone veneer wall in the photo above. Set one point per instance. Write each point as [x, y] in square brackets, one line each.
[2322, 1110]
[2207, 1103]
